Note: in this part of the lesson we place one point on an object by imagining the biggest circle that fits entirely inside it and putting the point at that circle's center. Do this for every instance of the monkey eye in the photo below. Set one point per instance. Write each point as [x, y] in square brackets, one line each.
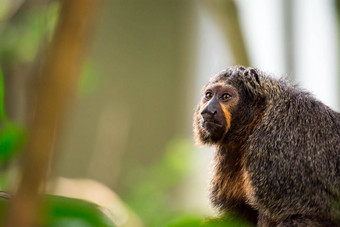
[225, 97]
[208, 95]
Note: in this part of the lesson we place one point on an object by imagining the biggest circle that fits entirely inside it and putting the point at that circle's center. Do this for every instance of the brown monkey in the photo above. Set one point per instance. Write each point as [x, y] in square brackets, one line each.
[277, 159]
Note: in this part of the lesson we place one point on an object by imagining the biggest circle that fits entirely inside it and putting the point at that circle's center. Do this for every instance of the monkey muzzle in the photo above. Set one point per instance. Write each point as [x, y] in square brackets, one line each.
[212, 126]
[213, 120]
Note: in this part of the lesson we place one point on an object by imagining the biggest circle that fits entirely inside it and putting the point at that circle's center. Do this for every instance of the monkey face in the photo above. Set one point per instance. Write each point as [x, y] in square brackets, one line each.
[213, 115]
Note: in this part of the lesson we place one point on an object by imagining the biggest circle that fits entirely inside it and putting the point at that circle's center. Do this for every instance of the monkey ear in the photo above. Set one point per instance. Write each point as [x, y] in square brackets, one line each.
[254, 73]
[253, 77]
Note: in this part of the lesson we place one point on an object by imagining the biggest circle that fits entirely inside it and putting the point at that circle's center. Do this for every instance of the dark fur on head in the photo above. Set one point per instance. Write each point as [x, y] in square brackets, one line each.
[278, 161]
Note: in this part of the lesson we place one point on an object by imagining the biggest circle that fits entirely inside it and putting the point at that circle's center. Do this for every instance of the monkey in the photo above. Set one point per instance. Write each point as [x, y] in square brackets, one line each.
[277, 156]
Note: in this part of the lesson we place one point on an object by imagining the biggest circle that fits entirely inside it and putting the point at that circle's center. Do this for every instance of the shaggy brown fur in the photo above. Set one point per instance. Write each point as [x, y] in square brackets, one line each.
[277, 161]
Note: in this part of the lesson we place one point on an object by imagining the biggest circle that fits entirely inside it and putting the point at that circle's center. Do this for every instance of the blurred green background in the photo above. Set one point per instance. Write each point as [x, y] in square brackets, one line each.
[126, 142]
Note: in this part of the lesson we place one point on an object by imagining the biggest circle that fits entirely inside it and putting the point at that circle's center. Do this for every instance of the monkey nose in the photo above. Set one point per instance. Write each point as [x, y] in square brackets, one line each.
[208, 114]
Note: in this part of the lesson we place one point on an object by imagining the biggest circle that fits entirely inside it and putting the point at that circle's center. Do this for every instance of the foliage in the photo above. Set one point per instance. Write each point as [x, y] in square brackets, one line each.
[61, 211]
[20, 42]
[155, 193]
[153, 197]
[230, 221]
[11, 135]
[57, 210]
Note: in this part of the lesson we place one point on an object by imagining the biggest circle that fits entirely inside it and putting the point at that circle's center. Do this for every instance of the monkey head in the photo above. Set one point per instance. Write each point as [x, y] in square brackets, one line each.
[214, 112]
[225, 102]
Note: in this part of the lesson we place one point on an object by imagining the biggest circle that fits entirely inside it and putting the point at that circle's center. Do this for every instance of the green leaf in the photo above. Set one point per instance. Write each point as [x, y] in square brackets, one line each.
[230, 221]
[68, 212]
[186, 222]
[59, 211]
[11, 140]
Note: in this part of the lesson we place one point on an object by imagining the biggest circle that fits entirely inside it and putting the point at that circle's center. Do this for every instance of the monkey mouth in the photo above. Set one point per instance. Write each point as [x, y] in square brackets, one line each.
[213, 123]
[212, 126]
[214, 129]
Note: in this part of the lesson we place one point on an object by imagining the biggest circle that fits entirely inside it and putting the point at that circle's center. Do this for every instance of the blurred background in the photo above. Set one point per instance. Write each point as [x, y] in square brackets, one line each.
[127, 136]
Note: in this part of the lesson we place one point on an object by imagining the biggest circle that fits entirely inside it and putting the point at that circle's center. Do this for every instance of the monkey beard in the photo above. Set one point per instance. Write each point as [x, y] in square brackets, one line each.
[212, 131]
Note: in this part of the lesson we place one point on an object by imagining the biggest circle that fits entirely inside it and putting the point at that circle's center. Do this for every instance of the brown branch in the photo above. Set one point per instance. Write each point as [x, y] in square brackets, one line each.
[58, 75]
[226, 15]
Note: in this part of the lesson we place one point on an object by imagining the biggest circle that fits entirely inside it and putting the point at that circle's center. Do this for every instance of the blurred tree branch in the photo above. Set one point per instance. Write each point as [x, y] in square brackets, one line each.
[226, 14]
[58, 77]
